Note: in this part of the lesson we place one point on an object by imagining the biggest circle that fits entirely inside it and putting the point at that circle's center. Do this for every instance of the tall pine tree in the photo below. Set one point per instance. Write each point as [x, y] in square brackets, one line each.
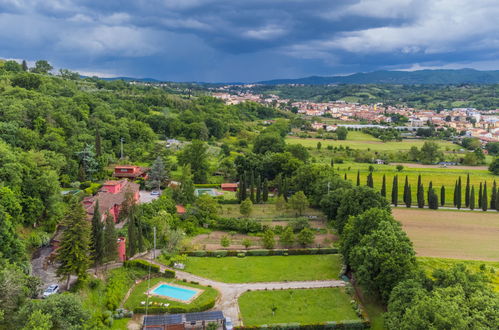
[467, 192]
[485, 199]
[420, 196]
[442, 196]
[480, 196]
[407, 192]
[370, 182]
[493, 196]
[383, 186]
[73, 253]
[97, 237]
[472, 198]
[458, 194]
[358, 178]
[395, 190]
[110, 240]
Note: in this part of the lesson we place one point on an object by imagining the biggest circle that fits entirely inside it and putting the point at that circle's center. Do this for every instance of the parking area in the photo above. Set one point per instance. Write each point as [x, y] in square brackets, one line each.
[146, 196]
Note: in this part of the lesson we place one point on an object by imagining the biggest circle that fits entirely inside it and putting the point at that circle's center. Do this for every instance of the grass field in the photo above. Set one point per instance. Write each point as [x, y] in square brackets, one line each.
[489, 268]
[439, 177]
[266, 269]
[139, 294]
[354, 142]
[265, 211]
[309, 306]
[450, 234]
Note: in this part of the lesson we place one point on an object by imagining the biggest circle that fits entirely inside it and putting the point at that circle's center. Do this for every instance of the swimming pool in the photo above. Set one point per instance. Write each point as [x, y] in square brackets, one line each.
[176, 293]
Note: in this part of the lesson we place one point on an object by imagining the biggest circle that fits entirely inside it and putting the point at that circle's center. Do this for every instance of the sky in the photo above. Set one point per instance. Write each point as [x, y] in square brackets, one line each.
[250, 40]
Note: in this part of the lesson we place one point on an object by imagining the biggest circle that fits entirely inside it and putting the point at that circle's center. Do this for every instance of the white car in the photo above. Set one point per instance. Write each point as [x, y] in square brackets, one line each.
[52, 289]
[228, 324]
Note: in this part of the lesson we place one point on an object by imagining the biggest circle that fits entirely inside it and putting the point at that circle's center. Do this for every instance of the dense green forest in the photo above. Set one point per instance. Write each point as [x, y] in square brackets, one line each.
[436, 97]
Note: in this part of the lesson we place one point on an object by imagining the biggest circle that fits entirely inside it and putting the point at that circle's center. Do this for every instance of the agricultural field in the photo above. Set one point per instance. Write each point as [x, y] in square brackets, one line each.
[373, 144]
[266, 268]
[489, 268]
[310, 306]
[467, 235]
[438, 176]
[267, 212]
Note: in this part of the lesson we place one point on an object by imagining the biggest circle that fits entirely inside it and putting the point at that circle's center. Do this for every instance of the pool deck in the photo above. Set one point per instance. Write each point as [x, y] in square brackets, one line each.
[197, 291]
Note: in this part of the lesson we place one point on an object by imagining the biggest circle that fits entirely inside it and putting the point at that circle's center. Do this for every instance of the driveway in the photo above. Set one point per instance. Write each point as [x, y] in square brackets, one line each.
[146, 197]
[230, 292]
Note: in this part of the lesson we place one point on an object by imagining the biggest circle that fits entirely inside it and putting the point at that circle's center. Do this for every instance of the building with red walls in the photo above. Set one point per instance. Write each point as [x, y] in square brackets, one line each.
[130, 172]
[121, 249]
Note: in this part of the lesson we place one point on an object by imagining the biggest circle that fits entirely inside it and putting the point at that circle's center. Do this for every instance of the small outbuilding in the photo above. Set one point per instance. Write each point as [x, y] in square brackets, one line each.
[229, 186]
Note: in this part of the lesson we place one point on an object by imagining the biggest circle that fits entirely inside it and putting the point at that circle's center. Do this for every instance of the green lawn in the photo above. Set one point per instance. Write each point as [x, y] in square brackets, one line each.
[138, 294]
[266, 268]
[354, 142]
[490, 268]
[308, 306]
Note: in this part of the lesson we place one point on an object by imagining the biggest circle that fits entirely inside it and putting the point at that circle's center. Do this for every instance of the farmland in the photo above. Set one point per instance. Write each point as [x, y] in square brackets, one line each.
[452, 234]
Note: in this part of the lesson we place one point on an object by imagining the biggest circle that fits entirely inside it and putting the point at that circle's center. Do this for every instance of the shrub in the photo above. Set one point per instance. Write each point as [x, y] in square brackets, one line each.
[138, 263]
[241, 255]
[168, 273]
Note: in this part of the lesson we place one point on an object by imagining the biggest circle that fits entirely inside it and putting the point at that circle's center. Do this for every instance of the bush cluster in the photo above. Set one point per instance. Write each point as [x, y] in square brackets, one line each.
[347, 324]
[262, 252]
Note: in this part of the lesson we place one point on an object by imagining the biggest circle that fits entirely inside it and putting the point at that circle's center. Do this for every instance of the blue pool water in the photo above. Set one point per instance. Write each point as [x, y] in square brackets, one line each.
[174, 292]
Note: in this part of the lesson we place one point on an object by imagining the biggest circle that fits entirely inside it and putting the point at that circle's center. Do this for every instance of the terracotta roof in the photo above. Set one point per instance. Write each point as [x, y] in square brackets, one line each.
[108, 200]
[229, 185]
[180, 209]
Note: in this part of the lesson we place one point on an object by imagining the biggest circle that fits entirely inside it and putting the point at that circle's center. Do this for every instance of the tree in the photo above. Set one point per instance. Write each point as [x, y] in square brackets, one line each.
[258, 189]
[24, 65]
[467, 191]
[75, 243]
[383, 258]
[407, 193]
[97, 237]
[265, 190]
[395, 190]
[11, 247]
[458, 193]
[370, 182]
[341, 133]
[430, 153]
[268, 142]
[196, 155]
[247, 243]
[299, 202]
[359, 226]
[157, 174]
[355, 201]
[110, 239]
[399, 168]
[287, 237]
[358, 178]
[88, 162]
[493, 196]
[39, 321]
[442, 195]
[432, 199]
[68, 74]
[280, 203]
[268, 239]
[383, 186]
[184, 194]
[225, 241]
[319, 145]
[485, 199]
[27, 81]
[494, 166]
[480, 193]
[42, 66]
[246, 207]
[472, 198]
[305, 237]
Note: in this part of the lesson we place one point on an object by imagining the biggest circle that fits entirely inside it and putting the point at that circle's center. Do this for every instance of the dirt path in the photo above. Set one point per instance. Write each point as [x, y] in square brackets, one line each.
[451, 167]
[230, 292]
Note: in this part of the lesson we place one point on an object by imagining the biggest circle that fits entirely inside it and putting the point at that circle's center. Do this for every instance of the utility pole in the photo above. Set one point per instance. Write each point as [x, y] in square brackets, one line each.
[121, 140]
[154, 251]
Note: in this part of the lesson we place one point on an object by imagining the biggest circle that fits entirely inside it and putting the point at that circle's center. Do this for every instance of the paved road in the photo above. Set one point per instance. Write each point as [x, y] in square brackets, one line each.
[230, 292]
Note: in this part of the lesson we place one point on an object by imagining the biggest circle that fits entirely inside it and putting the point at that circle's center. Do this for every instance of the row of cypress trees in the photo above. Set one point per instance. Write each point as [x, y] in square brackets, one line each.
[258, 189]
[432, 198]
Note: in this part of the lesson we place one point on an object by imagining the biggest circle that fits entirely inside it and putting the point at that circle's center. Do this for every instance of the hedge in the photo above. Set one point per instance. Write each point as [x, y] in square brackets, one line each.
[262, 252]
[206, 185]
[178, 309]
[347, 324]
[139, 263]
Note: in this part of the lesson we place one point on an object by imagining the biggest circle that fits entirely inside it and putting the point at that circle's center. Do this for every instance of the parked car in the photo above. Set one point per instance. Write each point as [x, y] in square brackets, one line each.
[156, 192]
[52, 289]
[228, 324]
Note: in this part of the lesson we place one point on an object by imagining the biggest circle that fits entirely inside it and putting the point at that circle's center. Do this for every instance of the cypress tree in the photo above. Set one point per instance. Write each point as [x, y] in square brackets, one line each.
[265, 193]
[258, 189]
[110, 239]
[132, 237]
[252, 188]
[420, 196]
[358, 178]
[442, 196]
[25, 65]
[408, 201]
[98, 148]
[383, 186]
[497, 199]
[458, 194]
[467, 191]
[430, 188]
[345, 177]
[370, 182]
[493, 196]
[455, 193]
[395, 191]
[485, 199]
[97, 237]
[472, 198]
[480, 196]
[406, 191]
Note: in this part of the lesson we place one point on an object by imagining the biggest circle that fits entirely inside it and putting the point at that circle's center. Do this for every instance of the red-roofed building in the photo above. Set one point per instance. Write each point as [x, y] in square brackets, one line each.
[130, 172]
[121, 249]
[229, 186]
[180, 209]
[110, 197]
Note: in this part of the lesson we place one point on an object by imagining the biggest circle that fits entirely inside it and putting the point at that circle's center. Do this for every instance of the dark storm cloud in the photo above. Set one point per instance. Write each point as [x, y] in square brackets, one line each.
[230, 40]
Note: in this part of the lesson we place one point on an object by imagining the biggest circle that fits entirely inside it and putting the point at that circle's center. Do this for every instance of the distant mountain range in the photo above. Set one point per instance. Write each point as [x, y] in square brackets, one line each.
[419, 77]
[444, 77]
